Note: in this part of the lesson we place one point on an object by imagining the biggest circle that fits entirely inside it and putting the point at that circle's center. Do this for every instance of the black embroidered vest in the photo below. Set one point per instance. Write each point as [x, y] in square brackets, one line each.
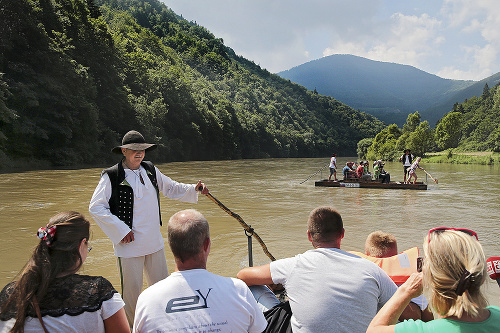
[121, 202]
[410, 158]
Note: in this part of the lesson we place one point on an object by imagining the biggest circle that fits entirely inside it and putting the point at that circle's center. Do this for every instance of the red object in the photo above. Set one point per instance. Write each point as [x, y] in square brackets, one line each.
[493, 265]
[441, 229]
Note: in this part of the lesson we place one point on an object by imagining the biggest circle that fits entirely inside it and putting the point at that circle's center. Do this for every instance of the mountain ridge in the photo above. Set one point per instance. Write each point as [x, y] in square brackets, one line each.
[389, 91]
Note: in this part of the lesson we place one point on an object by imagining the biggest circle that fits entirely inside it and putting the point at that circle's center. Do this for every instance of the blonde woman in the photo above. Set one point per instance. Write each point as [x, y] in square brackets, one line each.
[412, 170]
[452, 275]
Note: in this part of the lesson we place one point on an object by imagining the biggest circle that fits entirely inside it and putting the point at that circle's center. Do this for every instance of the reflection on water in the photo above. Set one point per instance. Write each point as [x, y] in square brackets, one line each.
[268, 195]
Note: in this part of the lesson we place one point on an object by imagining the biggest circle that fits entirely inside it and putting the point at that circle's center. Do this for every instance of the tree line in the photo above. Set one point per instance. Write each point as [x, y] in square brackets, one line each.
[473, 125]
[75, 75]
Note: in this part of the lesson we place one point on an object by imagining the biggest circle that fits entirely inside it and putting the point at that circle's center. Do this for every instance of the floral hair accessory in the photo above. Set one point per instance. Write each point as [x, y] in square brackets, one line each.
[47, 234]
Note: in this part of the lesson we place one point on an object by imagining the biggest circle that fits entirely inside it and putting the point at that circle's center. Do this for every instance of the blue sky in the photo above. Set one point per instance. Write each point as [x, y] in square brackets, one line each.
[454, 39]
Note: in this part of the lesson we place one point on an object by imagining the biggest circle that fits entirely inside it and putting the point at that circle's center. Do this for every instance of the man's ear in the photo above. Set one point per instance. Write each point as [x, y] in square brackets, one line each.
[206, 244]
[343, 233]
[309, 236]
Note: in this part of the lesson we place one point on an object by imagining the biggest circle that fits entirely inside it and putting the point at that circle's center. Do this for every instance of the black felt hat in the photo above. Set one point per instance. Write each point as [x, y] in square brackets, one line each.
[135, 141]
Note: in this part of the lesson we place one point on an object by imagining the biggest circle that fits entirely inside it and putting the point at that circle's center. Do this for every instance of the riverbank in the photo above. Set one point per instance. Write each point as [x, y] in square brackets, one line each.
[483, 158]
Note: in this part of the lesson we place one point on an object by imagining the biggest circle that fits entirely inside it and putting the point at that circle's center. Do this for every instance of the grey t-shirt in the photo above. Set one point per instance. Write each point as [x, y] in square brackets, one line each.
[331, 290]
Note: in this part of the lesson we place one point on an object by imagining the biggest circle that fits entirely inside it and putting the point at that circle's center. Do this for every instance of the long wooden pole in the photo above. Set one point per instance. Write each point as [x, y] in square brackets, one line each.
[435, 180]
[245, 226]
[314, 174]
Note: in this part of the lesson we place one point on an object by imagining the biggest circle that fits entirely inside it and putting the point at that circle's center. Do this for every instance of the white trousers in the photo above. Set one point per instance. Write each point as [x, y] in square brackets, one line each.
[131, 274]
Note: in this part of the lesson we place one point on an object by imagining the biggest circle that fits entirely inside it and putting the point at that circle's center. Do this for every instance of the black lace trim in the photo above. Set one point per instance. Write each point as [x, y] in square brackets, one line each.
[72, 295]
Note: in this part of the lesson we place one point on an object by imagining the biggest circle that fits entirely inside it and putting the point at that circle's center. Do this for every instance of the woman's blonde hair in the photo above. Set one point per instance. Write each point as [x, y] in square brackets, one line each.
[447, 255]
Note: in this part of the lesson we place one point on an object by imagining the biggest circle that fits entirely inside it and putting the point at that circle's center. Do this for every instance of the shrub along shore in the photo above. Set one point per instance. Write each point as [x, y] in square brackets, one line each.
[484, 158]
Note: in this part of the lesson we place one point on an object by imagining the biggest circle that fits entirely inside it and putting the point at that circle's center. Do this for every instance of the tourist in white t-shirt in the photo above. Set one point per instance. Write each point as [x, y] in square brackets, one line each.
[330, 290]
[192, 299]
[333, 167]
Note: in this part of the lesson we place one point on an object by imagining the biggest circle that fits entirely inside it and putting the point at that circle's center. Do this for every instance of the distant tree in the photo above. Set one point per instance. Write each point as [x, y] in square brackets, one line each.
[495, 139]
[420, 140]
[496, 97]
[402, 142]
[486, 90]
[458, 107]
[383, 146]
[448, 131]
[412, 121]
[363, 146]
[7, 115]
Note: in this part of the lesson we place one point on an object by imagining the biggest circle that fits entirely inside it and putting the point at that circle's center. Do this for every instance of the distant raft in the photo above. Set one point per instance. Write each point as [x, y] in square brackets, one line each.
[355, 182]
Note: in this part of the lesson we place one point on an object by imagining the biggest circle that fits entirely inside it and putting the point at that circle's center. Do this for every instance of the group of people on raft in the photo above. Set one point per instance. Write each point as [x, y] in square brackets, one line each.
[329, 289]
[354, 170]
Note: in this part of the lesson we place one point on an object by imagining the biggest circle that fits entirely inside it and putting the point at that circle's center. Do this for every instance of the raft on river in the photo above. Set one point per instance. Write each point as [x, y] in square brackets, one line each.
[355, 182]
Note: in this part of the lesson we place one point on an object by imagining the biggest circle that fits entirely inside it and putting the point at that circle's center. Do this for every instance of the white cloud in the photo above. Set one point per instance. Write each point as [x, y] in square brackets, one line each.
[346, 48]
[473, 26]
[444, 37]
[477, 22]
[407, 40]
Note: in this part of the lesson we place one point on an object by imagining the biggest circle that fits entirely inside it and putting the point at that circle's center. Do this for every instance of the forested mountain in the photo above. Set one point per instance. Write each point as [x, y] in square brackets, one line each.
[75, 75]
[473, 125]
[435, 112]
[387, 90]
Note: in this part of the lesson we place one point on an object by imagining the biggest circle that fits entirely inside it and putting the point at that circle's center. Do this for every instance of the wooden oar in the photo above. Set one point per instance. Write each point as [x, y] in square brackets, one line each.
[245, 226]
[435, 180]
[314, 174]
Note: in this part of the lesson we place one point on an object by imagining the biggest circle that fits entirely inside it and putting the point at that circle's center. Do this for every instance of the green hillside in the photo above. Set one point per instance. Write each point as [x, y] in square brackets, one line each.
[472, 126]
[478, 127]
[77, 74]
[434, 113]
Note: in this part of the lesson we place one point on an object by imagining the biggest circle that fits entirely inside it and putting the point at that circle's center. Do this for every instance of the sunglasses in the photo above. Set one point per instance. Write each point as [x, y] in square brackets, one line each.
[443, 229]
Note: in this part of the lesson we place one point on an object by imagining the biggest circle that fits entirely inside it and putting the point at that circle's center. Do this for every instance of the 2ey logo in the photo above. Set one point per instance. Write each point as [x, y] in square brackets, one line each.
[188, 303]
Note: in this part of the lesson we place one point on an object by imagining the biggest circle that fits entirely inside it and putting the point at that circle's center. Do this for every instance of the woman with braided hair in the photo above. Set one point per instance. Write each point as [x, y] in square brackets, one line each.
[49, 296]
[453, 273]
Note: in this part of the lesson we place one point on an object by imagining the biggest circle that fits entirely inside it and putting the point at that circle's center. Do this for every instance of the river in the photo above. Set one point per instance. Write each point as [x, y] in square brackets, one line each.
[268, 195]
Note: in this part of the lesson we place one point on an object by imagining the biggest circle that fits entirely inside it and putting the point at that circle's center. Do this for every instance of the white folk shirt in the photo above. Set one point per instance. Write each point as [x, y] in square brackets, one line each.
[406, 159]
[146, 222]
